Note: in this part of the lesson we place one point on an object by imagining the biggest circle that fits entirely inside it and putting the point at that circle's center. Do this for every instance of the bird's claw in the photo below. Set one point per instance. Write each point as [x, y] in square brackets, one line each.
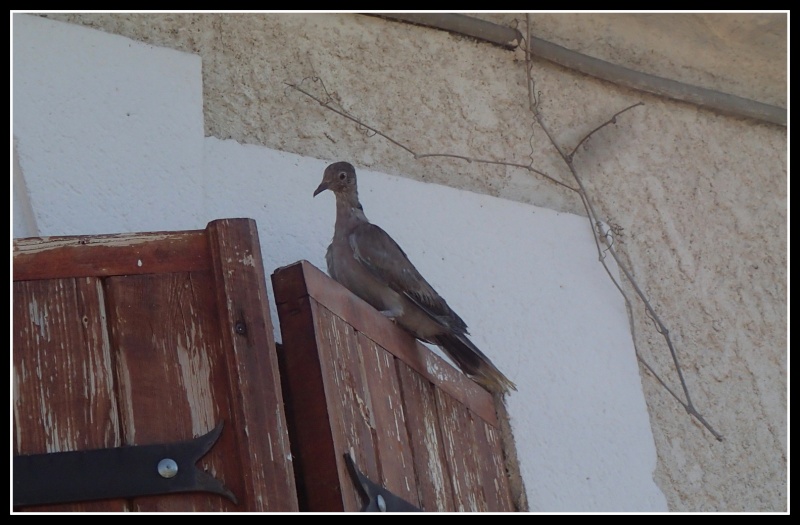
[391, 314]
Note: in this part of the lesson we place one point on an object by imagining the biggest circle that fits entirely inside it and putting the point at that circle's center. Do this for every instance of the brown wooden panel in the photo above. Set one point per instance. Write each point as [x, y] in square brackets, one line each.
[435, 491]
[171, 373]
[303, 279]
[351, 415]
[412, 422]
[252, 365]
[456, 427]
[343, 397]
[186, 343]
[105, 255]
[307, 409]
[385, 400]
[492, 477]
[63, 374]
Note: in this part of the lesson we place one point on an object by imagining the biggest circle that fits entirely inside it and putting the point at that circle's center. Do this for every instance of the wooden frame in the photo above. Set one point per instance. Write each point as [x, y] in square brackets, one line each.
[136, 339]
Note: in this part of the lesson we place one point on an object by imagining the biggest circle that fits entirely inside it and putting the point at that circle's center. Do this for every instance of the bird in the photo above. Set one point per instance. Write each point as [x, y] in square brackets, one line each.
[367, 261]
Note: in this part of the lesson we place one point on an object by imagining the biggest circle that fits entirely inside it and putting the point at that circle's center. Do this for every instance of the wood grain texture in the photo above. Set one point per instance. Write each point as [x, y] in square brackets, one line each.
[170, 369]
[63, 375]
[422, 435]
[492, 476]
[106, 255]
[252, 365]
[456, 427]
[352, 418]
[171, 339]
[434, 488]
[385, 402]
[307, 410]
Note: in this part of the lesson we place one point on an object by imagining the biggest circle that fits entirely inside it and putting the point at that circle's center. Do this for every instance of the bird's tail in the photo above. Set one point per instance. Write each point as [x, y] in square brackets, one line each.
[473, 362]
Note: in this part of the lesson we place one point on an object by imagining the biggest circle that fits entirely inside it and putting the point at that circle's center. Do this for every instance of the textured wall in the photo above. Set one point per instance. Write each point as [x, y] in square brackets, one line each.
[701, 197]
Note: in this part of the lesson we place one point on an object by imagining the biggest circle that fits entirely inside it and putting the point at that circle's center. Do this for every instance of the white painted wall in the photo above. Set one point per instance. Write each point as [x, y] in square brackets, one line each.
[109, 131]
[109, 136]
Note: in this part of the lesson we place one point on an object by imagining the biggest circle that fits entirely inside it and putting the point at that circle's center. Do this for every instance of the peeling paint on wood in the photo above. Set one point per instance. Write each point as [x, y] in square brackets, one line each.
[251, 364]
[410, 421]
[63, 382]
[105, 255]
[144, 350]
[434, 488]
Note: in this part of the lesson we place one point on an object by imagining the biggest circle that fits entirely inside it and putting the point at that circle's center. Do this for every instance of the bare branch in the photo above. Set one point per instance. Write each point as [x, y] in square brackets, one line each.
[533, 100]
[349, 117]
[593, 218]
[497, 162]
[612, 120]
[662, 329]
[416, 155]
[568, 160]
[632, 321]
[660, 326]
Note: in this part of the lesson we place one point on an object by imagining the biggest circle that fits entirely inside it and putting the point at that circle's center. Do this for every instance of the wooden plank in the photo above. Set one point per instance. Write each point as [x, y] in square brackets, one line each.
[330, 406]
[350, 405]
[303, 279]
[252, 365]
[63, 375]
[395, 459]
[307, 411]
[434, 489]
[492, 477]
[170, 369]
[107, 255]
[456, 428]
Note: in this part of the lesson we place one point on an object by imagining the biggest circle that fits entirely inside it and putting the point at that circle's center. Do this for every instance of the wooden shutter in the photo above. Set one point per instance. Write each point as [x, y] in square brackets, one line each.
[137, 339]
[354, 382]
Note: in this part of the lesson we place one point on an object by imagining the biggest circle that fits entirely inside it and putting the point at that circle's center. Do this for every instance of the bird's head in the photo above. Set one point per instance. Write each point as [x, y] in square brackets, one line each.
[339, 177]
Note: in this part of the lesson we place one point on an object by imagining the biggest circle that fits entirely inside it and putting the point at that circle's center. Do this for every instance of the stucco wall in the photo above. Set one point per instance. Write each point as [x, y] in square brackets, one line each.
[701, 197]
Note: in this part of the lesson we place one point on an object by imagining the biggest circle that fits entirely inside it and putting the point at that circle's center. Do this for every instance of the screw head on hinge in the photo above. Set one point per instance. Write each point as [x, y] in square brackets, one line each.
[167, 468]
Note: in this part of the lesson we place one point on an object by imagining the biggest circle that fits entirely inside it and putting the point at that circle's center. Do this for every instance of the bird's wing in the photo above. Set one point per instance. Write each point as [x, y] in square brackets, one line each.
[381, 255]
[386, 261]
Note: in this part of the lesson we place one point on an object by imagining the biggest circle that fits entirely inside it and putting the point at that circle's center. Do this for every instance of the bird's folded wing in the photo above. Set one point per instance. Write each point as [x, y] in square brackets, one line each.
[382, 256]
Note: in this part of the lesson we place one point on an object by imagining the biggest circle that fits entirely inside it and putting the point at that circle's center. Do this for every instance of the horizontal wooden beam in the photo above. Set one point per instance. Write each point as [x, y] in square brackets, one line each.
[38, 258]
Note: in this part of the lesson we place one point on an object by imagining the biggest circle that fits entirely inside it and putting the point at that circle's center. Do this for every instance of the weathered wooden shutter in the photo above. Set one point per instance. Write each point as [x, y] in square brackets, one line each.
[151, 338]
[355, 383]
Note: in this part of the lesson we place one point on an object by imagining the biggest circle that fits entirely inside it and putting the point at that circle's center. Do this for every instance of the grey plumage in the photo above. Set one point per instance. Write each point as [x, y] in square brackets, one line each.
[367, 261]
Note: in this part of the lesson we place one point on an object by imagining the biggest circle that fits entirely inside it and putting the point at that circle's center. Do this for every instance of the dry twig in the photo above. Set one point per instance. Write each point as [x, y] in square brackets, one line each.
[601, 235]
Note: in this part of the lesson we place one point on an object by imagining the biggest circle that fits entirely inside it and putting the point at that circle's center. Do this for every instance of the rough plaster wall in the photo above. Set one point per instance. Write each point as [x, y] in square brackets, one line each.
[742, 54]
[701, 197]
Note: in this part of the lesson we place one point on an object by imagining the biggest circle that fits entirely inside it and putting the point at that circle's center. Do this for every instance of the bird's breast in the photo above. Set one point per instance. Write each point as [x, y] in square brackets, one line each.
[350, 273]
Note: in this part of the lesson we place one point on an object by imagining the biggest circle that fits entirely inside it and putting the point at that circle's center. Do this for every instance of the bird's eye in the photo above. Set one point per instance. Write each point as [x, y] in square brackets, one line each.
[342, 175]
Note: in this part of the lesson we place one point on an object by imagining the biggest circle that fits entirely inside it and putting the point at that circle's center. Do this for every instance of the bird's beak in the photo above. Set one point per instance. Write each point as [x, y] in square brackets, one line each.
[322, 187]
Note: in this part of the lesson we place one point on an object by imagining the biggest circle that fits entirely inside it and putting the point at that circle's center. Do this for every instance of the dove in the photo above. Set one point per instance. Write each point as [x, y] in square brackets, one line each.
[368, 262]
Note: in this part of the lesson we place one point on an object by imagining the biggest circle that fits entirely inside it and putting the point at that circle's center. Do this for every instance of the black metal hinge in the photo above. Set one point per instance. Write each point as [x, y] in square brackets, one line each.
[379, 499]
[123, 472]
